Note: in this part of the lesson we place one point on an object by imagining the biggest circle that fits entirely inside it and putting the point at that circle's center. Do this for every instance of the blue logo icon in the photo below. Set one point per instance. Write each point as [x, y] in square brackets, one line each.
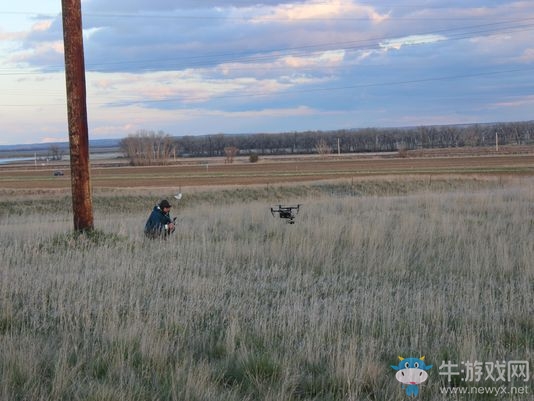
[411, 372]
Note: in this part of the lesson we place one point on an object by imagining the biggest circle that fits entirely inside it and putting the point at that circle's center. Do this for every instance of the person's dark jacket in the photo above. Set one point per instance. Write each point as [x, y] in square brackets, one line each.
[156, 224]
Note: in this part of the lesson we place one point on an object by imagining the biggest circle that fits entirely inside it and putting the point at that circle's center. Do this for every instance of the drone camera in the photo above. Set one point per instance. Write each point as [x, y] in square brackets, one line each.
[285, 214]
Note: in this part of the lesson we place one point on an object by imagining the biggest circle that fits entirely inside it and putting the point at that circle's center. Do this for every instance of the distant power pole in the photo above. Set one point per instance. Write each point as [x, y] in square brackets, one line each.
[82, 205]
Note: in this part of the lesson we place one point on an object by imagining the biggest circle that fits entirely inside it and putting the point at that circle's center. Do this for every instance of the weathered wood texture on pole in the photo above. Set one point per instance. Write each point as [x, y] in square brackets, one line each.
[77, 115]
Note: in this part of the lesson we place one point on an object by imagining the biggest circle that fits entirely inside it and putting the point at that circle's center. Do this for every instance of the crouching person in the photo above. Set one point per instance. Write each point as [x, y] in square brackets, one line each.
[159, 223]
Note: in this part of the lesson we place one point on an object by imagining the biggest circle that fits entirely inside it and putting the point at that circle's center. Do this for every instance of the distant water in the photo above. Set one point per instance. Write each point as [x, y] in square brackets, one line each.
[40, 160]
[10, 160]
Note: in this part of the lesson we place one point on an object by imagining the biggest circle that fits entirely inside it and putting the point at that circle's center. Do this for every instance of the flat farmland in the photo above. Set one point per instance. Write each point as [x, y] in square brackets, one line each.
[268, 171]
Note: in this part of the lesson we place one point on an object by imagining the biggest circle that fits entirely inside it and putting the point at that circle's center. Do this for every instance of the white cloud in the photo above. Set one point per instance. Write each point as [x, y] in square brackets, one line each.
[49, 139]
[310, 63]
[87, 33]
[19, 35]
[11, 36]
[319, 9]
[188, 87]
[410, 40]
[44, 51]
[516, 102]
[42, 26]
[324, 59]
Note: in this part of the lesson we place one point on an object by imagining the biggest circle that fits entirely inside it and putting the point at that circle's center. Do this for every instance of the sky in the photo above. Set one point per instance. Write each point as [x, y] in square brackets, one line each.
[197, 67]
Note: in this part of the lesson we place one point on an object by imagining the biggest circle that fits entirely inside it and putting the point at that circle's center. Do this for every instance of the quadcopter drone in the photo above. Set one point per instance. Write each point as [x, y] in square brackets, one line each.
[286, 212]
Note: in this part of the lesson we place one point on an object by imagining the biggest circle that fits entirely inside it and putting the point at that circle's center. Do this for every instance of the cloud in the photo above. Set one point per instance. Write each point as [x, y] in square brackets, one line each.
[319, 9]
[39, 27]
[196, 120]
[410, 120]
[11, 36]
[244, 64]
[42, 26]
[167, 89]
[328, 58]
[298, 111]
[517, 102]
[49, 139]
[527, 56]
[44, 53]
[411, 40]
[171, 5]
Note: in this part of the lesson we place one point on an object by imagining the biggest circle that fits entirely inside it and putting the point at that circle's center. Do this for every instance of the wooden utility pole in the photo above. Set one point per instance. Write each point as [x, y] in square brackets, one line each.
[82, 205]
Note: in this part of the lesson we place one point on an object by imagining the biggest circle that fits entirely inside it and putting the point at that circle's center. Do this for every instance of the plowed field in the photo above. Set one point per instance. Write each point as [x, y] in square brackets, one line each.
[271, 171]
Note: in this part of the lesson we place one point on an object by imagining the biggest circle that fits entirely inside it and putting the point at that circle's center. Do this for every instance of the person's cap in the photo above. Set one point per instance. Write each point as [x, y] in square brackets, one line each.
[164, 203]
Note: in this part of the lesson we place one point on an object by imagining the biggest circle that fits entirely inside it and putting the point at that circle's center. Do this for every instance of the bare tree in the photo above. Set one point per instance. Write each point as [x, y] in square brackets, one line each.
[55, 152]
[230, 152]
[146, 148]
[323, 148]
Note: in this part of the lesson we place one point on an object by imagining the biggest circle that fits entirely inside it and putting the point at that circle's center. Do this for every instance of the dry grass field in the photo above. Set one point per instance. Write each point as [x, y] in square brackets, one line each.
[386, 258]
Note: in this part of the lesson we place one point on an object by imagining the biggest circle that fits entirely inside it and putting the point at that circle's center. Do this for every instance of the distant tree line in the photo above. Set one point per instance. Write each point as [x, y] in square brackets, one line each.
[359, 140]
[148, 147]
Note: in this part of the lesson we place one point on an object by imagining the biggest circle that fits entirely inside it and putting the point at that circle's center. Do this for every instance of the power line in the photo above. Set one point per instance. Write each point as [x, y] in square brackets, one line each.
[148, 15]
[133, 101]
[457, 33]
[365, 85]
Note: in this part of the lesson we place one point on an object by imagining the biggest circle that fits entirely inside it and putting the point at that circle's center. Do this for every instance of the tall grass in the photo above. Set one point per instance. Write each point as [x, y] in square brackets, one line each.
[239, 305]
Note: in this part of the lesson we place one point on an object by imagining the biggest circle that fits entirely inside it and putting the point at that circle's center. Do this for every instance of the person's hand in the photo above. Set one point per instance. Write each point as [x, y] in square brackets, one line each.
[170, 226]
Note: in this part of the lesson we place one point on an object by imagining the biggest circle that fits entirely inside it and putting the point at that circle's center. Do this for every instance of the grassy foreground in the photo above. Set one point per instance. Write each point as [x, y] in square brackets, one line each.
[239, 305]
